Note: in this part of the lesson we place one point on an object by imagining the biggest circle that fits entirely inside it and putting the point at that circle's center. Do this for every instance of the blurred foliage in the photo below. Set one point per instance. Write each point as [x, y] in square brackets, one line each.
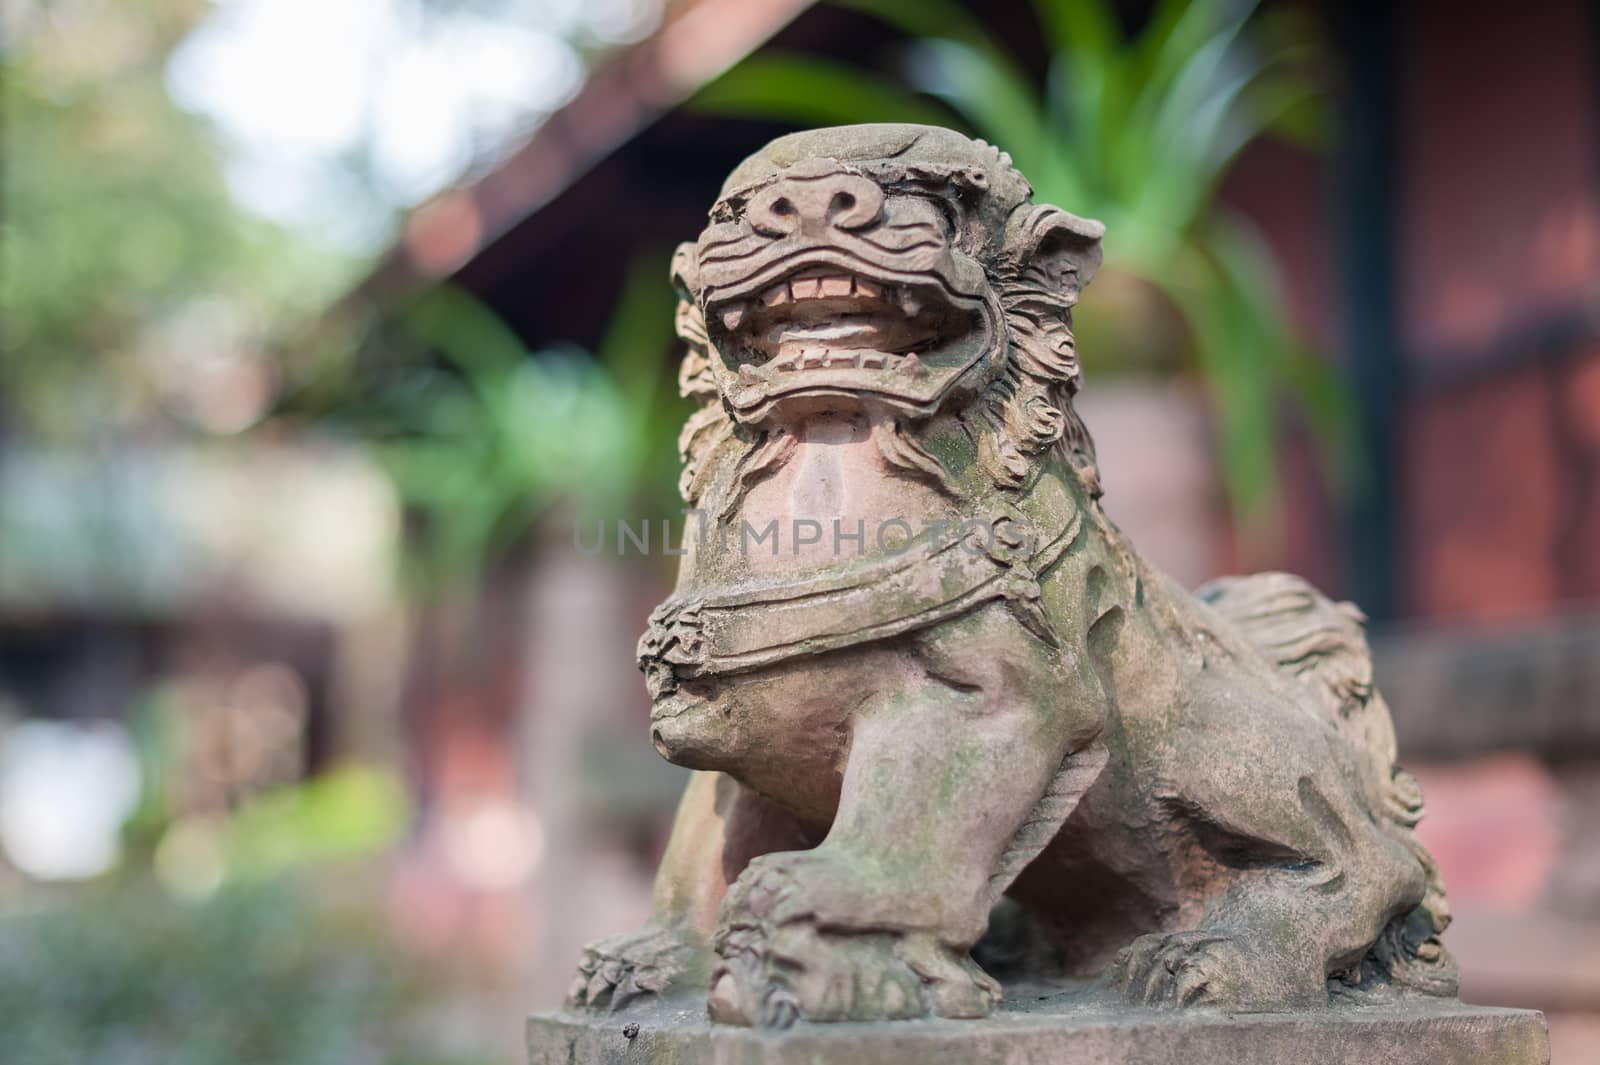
[1137, 130]
[224, 799]
[347, 812]
[343, 814]
[138, 300]
[256, 976]
[118, 239]
[482, 436]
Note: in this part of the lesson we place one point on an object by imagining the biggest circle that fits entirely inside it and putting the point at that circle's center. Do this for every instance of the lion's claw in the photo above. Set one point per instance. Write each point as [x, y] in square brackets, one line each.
[1172, 969]
[616, 970]
[801, 972]
[1204, 968]
[778, 963]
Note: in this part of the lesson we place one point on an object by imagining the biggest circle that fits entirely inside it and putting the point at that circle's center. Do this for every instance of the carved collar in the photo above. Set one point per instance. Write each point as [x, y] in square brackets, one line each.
[712, 632]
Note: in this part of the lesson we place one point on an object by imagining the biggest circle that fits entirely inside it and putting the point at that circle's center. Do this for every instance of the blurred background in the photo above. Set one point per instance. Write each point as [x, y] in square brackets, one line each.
[334, 333]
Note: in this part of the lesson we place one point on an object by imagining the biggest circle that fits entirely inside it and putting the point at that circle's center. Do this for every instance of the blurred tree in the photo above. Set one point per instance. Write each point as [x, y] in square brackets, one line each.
[137, 297]
[131, 288]
[1138, 131]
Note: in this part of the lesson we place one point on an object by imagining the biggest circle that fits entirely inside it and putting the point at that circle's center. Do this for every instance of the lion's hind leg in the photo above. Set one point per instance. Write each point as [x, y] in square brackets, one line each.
[1299, 880]
[1321, 646]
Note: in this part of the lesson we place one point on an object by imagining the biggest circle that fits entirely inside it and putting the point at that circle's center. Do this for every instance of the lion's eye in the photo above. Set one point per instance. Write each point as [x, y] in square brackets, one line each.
[919, 203]
[947, 214]
[908, 212]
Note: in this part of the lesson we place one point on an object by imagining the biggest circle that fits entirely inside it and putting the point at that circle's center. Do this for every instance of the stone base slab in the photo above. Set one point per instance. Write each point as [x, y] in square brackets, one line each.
[1422, 1033]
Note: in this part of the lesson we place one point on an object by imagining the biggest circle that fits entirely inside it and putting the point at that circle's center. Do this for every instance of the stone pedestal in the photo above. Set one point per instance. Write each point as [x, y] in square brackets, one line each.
[1422, 1033]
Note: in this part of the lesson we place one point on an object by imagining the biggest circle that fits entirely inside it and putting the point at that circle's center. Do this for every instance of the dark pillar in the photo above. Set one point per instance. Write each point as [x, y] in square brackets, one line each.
[1366, 171]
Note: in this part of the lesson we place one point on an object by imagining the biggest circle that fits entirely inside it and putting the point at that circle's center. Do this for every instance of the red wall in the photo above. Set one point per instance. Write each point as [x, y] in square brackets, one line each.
[1498, 218]
[1499, 231]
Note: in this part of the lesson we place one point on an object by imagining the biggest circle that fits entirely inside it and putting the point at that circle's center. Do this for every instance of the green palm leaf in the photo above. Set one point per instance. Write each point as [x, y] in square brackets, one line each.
[1001, 107]
[806, 90]
[944, 19]
[1136, 130]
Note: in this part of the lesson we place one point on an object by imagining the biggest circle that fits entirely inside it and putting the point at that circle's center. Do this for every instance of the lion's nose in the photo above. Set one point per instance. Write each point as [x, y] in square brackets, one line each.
[811, 205]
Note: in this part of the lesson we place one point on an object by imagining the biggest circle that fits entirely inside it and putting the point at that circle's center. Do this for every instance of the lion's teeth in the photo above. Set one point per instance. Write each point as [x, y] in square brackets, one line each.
[835, 286]
[806, 288]
[910, 306]
[747, 374]
[911, 366]
[864, 287]
[873, 360]
[775, 295]
[732, 317]
[812, 358]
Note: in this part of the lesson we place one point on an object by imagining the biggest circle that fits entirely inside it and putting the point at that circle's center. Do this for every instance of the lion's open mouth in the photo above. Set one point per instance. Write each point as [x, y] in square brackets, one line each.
[819, 319]
[833, 330]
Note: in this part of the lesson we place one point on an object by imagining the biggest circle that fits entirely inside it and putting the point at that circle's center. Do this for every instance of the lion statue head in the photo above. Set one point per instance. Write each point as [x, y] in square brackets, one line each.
[900, 270]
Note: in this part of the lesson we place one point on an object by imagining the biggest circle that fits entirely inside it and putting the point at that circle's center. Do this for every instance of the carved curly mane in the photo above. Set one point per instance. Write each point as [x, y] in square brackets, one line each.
[1028, 408]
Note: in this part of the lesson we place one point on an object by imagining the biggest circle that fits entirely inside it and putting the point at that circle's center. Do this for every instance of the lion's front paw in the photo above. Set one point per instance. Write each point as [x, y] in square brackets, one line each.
[801, 973]
[772, 977]
[777, 963]
[620, 968]
[820, 885]
[1205, 968]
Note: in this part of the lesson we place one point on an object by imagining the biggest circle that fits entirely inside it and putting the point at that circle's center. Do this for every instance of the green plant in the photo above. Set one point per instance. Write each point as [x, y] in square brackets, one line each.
[481, 436]
[1139, 132]
[123, 975]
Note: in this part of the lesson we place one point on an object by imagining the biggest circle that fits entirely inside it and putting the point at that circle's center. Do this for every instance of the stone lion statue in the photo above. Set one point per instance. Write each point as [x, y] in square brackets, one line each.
[947, 727]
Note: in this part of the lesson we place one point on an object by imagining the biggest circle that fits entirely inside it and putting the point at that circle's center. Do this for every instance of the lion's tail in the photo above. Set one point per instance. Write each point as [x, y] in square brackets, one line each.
[1323, 645]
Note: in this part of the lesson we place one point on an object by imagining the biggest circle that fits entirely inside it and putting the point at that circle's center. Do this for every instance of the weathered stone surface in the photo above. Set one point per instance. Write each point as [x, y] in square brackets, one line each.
[1431, 1033]
[953, 734]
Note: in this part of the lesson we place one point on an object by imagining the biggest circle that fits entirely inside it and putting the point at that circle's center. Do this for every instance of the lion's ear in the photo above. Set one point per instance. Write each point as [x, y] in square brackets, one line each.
[1053, 250]
[686, 271]
[695, 380]
[690, 323]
